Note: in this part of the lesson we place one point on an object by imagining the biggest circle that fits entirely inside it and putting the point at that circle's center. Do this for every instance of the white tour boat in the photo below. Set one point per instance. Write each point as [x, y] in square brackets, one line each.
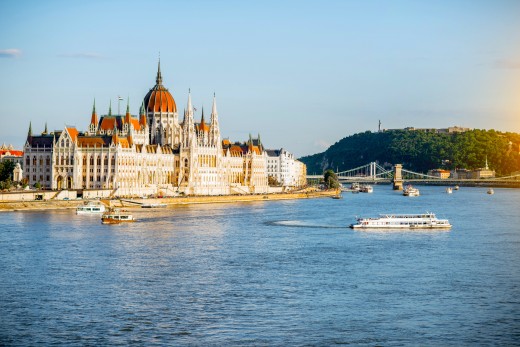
[117, 216]
[90, 208]
[402, 221]
[366, 188]
[449, 190]
[490, 191]
[410, 191]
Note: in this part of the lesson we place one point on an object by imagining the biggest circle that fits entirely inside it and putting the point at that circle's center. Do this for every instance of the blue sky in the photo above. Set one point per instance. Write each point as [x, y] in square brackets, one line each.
[303, 74]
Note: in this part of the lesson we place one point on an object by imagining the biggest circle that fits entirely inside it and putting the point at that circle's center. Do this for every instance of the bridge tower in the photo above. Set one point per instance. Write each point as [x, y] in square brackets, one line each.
[398, 177]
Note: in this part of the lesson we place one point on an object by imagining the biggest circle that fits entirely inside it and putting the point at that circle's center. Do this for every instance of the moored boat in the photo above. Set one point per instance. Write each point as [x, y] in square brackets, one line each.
[449, 190]
[90, 207]
[426, 220]
[490, 191]
[456, 188]
[117, 216]
[366, 188]
[410, 191]
[154, 205]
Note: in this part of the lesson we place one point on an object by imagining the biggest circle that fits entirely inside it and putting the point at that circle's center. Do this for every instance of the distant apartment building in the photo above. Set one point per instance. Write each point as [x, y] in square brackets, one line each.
[449, 130]
[480, 173]
[282, 166]
[10, 154]
[460, 174]
[443, 174]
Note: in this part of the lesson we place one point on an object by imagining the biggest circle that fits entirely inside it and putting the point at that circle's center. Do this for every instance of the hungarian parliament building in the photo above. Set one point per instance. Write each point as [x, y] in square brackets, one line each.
[156, 153]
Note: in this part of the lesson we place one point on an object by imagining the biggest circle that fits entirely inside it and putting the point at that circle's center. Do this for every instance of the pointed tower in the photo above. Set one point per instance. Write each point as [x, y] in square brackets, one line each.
[188, 126]
[29, 133]
[260, 146]
[93, 119]
[110, 109]
[127, 115]
[214, 129]
[142, 115]
[160, 107]
[45, 131]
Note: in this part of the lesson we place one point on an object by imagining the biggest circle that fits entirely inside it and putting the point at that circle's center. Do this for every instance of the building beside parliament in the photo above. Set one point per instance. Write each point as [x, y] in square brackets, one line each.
[147, 154]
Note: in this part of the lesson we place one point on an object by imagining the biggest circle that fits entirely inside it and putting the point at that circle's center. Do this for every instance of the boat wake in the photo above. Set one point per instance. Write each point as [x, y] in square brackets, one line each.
[303, 224]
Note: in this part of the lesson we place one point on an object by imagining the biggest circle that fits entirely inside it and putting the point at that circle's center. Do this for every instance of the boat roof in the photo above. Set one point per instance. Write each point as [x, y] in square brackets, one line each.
[407, 215]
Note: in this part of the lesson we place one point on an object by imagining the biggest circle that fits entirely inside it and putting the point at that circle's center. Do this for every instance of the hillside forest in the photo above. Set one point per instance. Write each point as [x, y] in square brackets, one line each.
[421, 151]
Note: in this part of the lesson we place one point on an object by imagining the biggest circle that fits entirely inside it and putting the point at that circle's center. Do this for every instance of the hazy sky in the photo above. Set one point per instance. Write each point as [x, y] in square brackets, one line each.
[303, 74]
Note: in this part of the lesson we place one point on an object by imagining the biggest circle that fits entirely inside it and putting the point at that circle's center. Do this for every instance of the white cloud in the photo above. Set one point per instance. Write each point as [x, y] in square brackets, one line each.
[10, 53]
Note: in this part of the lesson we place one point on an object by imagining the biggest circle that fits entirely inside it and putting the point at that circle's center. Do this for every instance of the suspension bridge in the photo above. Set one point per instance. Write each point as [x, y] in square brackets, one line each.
[374, 173]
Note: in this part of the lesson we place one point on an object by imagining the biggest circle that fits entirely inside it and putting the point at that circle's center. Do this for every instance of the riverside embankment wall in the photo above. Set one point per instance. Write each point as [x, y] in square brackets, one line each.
[70, 204]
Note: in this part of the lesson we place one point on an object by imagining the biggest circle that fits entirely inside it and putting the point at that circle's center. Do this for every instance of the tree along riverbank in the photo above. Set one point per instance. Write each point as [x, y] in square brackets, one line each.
[128, 203]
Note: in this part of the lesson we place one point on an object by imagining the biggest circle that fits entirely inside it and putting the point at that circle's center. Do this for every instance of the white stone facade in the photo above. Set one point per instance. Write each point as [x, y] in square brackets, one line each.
[154, 154]
[288, 171]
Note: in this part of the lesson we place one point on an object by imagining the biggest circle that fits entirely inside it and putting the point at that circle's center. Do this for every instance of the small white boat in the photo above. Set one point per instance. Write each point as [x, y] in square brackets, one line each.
[402, 221]
[456, 188]
[117, 216]
[449, 190]
[490, 191]
[410, 191]
[354, 187]
[90, 207]
[154, 205]
[366, 188]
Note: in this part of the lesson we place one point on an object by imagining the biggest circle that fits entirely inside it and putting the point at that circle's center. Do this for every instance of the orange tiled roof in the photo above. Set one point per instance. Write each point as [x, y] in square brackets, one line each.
[73, 132]
[123, 141]
[108, 123]
[159, 99]
[202, 127]
[135, 123]
[11, 152]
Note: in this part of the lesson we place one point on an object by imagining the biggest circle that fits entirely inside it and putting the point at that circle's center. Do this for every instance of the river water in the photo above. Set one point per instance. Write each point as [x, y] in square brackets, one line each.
[266, 273]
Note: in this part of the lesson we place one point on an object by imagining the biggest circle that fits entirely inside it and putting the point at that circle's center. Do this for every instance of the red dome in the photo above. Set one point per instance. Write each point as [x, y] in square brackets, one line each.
[159, 98]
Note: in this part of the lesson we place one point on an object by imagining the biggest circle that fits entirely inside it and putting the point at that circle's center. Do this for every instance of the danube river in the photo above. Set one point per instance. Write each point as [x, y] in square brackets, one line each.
[266, 273]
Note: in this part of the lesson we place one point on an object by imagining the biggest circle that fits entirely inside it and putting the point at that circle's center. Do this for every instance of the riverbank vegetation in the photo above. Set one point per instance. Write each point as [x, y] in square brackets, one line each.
[421, 151]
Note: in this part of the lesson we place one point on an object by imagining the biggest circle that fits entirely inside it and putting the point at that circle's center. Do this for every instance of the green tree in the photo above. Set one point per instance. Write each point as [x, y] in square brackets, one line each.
[6, 170]
[330, 179]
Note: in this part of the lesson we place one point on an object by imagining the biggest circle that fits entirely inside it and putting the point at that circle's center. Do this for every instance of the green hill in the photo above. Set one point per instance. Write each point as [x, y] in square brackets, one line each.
[421, 151]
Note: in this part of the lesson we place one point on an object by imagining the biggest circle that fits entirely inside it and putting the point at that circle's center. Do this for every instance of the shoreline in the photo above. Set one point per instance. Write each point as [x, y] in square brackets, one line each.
[10, 206]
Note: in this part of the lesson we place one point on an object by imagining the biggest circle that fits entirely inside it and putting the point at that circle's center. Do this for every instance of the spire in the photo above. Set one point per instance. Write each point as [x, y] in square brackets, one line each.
[142, 120]
[29, 133]
[190, 108]
[259, 143]
[141, 110]
[202, 119]
[158, 80]
[110, 108]
[45, 131]
[214, 108]
[94, 119]
[127, 115]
